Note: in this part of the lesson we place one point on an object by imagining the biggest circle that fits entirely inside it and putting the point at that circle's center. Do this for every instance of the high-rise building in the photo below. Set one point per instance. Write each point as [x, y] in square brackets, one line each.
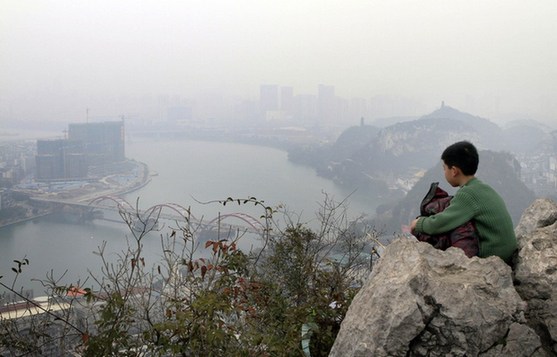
[88, 144]
[268, 98]
[60, 159]
[102, 142]
[287, 100]
[305, 108]
[327, 108]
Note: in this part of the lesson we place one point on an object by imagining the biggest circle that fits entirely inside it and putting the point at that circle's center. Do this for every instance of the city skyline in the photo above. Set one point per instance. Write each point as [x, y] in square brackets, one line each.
[230, 108]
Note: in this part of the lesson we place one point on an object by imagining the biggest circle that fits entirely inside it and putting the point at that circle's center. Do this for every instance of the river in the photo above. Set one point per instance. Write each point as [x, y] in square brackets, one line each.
[185, 173]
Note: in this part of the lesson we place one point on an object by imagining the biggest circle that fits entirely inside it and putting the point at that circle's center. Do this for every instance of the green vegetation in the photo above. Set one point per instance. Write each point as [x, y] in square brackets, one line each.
[288, 297]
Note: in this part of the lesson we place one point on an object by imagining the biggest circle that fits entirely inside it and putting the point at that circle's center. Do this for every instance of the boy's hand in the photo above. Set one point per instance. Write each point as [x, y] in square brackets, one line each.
[413, 224]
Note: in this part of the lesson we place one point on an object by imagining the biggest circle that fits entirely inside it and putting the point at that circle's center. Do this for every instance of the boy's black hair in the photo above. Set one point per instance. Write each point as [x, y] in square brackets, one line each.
[462, 155]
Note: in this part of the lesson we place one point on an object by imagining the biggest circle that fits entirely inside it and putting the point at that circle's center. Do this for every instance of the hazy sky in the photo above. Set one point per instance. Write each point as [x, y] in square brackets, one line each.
[492, 58]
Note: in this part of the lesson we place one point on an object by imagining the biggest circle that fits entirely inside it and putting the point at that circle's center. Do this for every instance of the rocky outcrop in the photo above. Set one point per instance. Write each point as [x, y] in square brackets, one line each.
[420, 301]
[536, 268]
[541, 213]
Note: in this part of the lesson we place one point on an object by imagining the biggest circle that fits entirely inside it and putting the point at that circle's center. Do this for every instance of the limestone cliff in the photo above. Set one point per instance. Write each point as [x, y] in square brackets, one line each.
[419, 301]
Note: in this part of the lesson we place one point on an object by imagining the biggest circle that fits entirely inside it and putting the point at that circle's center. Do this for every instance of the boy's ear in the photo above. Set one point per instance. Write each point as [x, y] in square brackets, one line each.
[454, 171]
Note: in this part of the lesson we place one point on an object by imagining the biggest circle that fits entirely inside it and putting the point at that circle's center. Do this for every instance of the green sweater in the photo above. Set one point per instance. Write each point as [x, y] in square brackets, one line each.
[478, 202]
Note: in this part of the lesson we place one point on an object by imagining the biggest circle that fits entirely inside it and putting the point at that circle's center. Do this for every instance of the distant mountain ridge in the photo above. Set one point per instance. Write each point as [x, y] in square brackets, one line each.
[413, 145]
[485, 129]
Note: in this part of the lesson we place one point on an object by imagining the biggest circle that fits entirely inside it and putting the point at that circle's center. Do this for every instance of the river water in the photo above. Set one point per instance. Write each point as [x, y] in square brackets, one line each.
[186, 173]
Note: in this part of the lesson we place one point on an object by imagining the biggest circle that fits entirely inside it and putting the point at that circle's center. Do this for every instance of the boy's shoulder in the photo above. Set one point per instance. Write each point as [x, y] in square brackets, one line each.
[475, 183]
[476, 187]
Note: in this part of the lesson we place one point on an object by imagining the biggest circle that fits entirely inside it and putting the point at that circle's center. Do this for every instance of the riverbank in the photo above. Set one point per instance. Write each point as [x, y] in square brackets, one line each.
[30, 200]
[139, 184]
[23, 220]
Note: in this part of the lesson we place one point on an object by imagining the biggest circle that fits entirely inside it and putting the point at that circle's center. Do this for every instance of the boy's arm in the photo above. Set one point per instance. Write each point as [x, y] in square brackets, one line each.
[461, 210]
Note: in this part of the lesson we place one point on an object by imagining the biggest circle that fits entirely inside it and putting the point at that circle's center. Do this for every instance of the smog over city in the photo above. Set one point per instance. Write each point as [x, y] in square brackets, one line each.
[494, 59]
[188, 144]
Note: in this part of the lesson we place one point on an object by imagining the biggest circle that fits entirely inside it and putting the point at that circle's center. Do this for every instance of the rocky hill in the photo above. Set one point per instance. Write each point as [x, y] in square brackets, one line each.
[386, 163]
[352, 140]
[418, 143]
[420, 301]
[372, 159]
[484, 129]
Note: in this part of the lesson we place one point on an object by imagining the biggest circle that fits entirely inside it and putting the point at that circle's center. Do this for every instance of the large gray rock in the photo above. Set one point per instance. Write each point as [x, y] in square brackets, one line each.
[536, 268]
[541, 213]
[420, 301]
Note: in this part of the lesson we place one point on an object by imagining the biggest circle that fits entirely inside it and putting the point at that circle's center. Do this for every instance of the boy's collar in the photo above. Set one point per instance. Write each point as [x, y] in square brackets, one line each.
[467, 180]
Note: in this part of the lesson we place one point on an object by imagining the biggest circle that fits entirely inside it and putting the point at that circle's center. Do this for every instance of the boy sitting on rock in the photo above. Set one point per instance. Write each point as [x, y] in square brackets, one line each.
[474, 201]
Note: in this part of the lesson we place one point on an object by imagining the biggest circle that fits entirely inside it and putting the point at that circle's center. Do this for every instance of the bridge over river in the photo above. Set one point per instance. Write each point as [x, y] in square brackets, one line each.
[123, 212]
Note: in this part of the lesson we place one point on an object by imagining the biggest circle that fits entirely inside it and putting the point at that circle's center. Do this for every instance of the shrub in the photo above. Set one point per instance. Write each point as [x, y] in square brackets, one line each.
[287, 297]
